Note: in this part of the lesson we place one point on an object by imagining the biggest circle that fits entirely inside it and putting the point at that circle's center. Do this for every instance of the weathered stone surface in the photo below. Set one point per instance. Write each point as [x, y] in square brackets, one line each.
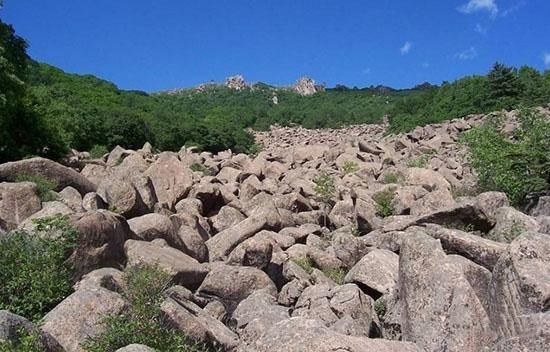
[232, 284]
[305, 335]
[79, 317]
[184, 270]
[49, 209]
[226, 218]
[171, 179]
[50, 170]
[520, 288]
[190, 319]
[439, 308]
[135, 348]
[18, 201]
[255, 252]
[121, 196]
[72, 198]
[490, 202]
[152, 226]
[91, 201]
[510, 223]
[108, 278]
[376, 273]
[100, 242]
[480, 250]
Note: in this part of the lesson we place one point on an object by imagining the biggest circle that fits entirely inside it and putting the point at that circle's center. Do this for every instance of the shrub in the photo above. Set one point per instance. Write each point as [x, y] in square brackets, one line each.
[380, 308]
[34, 275]
[27, 342]
[44, 186]
[97, 151]
[337, 275]
[305, 263]
[201, 168]
[421, 162]
[324, 186]
[393, 177]
[515, 166]
[350, 167]
[142, 323]
[384, 202]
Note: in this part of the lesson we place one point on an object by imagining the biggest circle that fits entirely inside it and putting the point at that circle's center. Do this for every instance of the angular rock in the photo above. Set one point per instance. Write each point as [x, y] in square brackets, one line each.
[79, 317]
[171, 179]
[255, 252]
[511, 223]
[50, 170]
[135, 348]
[11, 324]
[231, 284]
[183, 269]
[18, 201]
[376, 273]
[152, 226]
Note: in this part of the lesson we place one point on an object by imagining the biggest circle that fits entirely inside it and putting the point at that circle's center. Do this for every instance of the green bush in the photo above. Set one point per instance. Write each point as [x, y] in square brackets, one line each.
[393, 177]
[142, 323]
[34, 275]
[27, 342]
[305, 263]
[515, 166]
[201, 168]
[97, 151]
[324, 186]
[384, 202]
[421, 162]
[337, 275]
[350, 167]
[44, 186]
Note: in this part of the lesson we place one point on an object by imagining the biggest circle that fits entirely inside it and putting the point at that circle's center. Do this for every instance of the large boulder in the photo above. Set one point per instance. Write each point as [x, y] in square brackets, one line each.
[520, 293]
[439, 309]
[50, 170]
[18, 201]
[171, 179]
[232, 284]
[510, 223]
[152, 226]
[100, 242]
[80, 317]
[183, 269]
[306, 335]
[121, 196]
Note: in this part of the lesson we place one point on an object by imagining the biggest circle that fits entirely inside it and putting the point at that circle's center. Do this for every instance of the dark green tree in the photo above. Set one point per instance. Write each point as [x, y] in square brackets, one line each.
[504, 87]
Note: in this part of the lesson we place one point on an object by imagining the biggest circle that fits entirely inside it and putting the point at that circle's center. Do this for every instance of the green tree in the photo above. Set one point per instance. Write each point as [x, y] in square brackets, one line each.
[504, 88]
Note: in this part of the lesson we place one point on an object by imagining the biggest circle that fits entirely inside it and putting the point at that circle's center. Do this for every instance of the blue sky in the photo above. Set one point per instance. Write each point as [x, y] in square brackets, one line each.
[154, 45]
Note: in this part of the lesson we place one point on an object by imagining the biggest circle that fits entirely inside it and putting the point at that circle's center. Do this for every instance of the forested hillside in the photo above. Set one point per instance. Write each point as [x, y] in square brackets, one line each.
[45, 111]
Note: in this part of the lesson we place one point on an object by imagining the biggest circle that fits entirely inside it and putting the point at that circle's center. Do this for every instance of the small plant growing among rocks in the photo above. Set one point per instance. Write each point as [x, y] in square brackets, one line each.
[45, 187]
[143, 322]
[350, 167]
[305, 263]
[393, 177]
[35, 276]
[337, 275]
[421, 162]
[196, 167]
[384, 202]
[98, 151]
[380, 308]
[325, 189]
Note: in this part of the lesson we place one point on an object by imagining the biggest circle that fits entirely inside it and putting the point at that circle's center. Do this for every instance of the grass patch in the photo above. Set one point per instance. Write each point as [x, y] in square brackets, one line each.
[197, 167]
[34, 276]
[337, 275]
[420, 162]
[305, 263]
[27, 342]
[350, 167]
[384, 202]
[98, 151]
[393, 177]
[44, 186]
[142, 323]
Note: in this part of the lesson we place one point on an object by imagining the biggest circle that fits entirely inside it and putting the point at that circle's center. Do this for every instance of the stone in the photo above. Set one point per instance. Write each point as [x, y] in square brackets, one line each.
[171, 179]
[91, 201]
[439, 308]
[376, 273]
[100, 241]
[232, 284]
[135, 348]
[490, 202]
[255, 252]
[191, 320]
[152, 226]
[510, 223]
[49, 170]
[226, 218]
[18, 201]
[193, 243]
[49, 209]
[121, 197]
[108, 278]
[183, 269]
[72, 198]
[11, 324]
[79, 317]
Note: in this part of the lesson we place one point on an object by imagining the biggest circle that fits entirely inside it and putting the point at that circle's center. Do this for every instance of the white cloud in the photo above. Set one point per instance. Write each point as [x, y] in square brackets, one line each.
[406, 48]
[547, 59]
[480, 5]
[513, 9]
[480, 29]
[468, 54]
[366, 71]
[425, 64]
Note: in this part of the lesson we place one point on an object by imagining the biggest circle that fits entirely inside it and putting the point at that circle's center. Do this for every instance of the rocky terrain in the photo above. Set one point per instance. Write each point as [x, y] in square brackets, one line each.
[329, 240]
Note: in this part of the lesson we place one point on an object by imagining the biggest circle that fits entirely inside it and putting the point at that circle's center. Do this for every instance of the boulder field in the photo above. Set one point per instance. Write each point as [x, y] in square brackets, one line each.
[396, 253]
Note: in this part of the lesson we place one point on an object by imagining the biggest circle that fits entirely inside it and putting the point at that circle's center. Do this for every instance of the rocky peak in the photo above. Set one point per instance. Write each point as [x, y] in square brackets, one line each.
[305, 86]
[236, 82]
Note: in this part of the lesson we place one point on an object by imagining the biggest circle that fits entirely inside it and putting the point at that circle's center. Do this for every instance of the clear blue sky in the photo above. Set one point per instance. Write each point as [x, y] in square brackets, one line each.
[154, 45]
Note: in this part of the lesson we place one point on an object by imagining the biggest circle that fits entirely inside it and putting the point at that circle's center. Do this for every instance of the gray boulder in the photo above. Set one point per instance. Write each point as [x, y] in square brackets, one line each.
[18, 201]
[376, 273]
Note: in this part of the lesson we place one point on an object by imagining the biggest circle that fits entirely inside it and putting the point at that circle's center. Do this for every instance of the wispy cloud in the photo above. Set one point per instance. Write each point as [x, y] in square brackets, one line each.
[425, 65]
[480, 5]
[547, 59]
[366, 71]
[513, 9]
[468, 54]
[406, 48]
[480, 29]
